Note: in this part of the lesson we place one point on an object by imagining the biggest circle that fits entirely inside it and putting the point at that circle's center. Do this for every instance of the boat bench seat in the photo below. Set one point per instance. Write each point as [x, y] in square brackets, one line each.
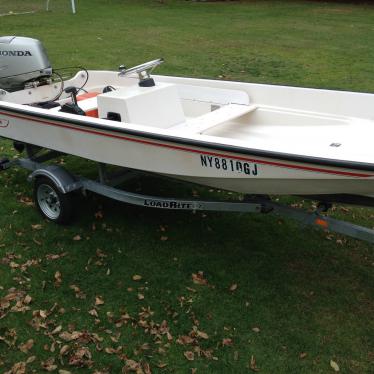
[216, 117]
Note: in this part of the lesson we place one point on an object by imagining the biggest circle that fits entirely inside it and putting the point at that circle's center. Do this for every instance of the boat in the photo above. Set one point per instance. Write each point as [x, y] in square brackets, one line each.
[249, 138]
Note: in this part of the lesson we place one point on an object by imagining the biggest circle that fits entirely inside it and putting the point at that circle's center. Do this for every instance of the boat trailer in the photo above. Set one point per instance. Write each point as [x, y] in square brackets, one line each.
[54, 187]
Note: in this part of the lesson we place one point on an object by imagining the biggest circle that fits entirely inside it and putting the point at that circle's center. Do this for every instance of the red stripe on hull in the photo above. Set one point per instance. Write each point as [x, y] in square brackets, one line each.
[184, 149]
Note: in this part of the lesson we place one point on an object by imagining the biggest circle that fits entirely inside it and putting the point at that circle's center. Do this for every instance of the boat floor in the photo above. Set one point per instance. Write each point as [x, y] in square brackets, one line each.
[275, 129]
[302, 134]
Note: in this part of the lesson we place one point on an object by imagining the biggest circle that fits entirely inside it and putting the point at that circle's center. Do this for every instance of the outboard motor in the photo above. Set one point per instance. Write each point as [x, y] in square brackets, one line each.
[22, 60]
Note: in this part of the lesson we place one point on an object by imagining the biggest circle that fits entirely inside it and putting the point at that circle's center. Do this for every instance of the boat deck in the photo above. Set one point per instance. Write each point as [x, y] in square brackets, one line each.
[317, 124]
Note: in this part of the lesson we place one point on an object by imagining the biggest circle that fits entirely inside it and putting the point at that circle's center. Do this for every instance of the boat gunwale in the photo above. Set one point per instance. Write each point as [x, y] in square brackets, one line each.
[342, 164]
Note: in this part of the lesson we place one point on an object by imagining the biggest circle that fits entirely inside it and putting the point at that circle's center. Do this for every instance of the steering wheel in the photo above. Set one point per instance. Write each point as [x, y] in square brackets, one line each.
[142, 69]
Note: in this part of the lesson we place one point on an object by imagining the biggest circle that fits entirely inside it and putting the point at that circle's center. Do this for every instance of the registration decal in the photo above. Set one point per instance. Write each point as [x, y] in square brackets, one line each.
[236, 166]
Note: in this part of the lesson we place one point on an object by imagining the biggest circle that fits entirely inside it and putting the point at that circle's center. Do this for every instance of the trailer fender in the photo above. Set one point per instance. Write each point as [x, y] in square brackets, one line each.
[63, 180]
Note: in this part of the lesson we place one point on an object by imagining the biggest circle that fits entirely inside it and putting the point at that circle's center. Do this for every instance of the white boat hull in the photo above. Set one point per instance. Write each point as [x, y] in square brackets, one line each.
[225, 170]
[207, 159]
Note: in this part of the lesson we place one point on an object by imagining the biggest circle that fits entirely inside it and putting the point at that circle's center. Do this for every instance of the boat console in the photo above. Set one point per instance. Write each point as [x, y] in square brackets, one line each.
[156, 106]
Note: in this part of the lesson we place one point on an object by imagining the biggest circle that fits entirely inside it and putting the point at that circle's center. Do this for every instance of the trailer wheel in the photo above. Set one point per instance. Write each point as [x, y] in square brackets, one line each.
[51, 203]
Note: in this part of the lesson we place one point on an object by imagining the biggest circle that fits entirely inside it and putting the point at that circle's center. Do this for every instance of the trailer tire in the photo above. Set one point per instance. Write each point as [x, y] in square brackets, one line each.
[51, 202]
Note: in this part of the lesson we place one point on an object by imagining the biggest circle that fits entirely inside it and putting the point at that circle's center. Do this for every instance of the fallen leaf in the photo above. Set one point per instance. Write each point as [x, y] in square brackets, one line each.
[185, 339]
[252, 364]
[256, 329]
[93, 313]
[198, 278]
[334, 365]
[303, 355]
[55, 256]
[25, 347]
[202, 334]
[190, 356]
[67, 336]
[81, 357]
[27, 299]
[18, 368]
[30, 359]
[49, 365]
[56, 330]
[58, 279]
[78, 293]
[53, 347]
[132, 365]
[140, 296]
[233, 287]
[14, 265]
[99, 300]
[64, 349]
[77, 238]
[26, 200]
[110, 350]
[136, 277]
[226, 342]
[146, 368]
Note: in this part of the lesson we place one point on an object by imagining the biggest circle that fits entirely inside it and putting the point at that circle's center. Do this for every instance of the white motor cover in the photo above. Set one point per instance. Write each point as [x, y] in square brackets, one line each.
[21, 59]
[157, 106]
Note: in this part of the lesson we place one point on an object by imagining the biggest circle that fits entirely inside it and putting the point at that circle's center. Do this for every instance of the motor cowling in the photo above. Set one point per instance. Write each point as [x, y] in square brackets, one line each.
[22, 60]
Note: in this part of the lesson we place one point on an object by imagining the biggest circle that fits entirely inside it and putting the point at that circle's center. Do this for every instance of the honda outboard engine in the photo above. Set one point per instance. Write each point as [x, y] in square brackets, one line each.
[22, 60]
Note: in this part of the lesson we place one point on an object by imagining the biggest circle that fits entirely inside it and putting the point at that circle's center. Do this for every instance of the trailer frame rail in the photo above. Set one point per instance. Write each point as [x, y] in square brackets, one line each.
[67, 183]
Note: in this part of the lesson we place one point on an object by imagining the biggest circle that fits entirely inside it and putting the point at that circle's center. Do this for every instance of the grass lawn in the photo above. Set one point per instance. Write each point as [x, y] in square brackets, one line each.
[138, 290]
